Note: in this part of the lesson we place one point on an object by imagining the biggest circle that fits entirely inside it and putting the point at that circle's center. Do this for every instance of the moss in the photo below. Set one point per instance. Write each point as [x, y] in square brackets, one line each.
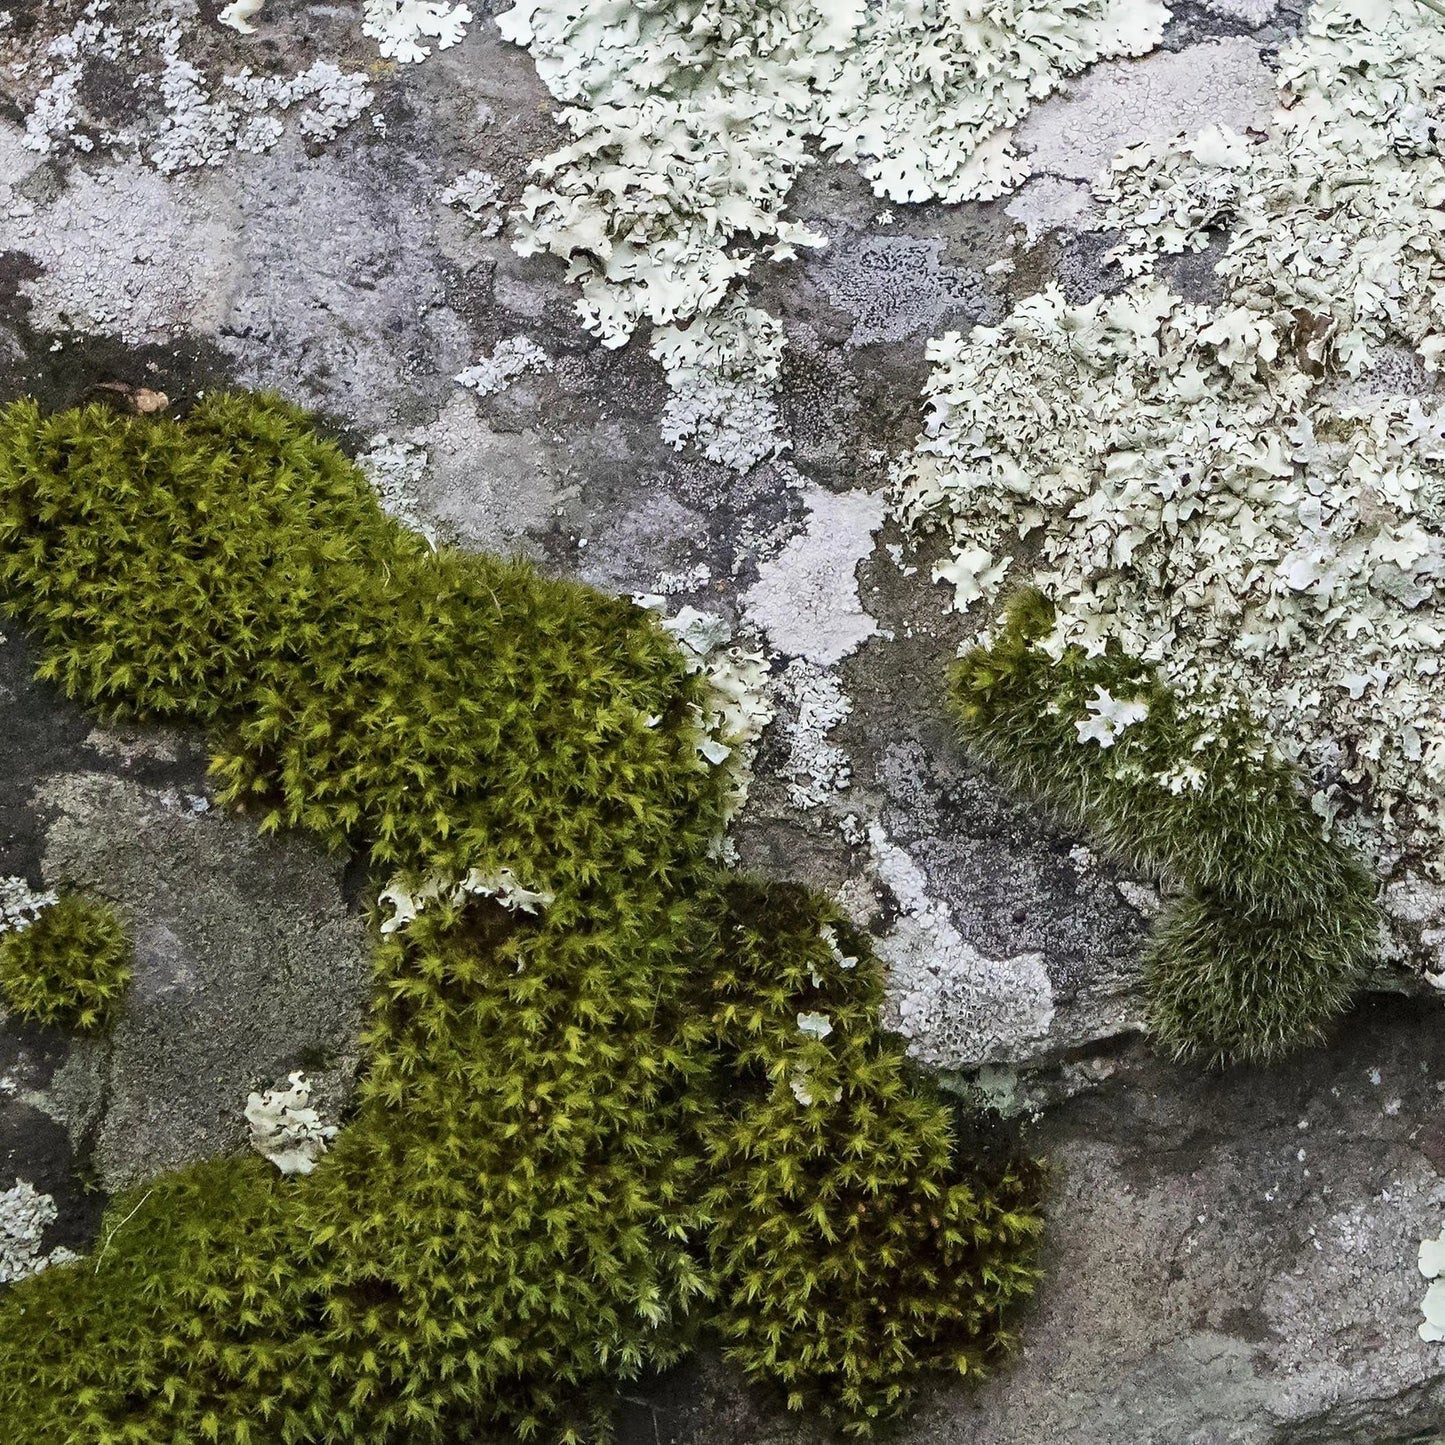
[1278, 922]
[838, 1212]
[535, 1198]
[69, 967]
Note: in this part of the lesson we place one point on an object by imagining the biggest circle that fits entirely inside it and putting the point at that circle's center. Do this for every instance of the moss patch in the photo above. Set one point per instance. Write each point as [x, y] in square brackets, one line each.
[578, 1137]
[69, 967]
[1278, 923]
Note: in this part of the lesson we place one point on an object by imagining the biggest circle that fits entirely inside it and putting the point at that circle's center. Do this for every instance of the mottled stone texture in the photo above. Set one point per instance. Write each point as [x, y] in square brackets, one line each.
[1206, 1284]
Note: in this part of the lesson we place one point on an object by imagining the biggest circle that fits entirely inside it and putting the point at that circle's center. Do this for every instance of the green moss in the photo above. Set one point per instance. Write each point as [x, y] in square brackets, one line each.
[838, 1212]
[1279, 922]
[69, 967]
[539, 1193]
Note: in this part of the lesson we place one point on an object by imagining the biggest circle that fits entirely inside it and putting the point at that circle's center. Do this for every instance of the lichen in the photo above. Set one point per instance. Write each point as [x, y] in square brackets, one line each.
[736, 706]
[806, 598]
[477, 194]
[25, 1214]
[239, 13]
[21, 905]
[200, 121]
[1431, 1259]
[512, 357]
[956, 1007]
[395, 467]
[691, 122]
[1243, 492]
[721, 372]
[400, 26]
[285, 1128]
[815, 769]
[896, 287]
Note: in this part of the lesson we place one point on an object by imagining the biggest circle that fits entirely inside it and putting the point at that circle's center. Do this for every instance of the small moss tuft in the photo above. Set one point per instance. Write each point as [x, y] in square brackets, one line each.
[1273, 937]
[69, 967]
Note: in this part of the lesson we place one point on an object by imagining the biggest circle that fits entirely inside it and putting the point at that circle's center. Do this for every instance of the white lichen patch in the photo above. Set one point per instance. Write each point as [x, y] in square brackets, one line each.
[806, 598]
[925, 97]
[1191, 477]
[198, 119]
[812, 703]
[21, 905]
[1415, 907]
[285, 1128]
[1120, 103]
[721, 372]
[691, 121]
[406, 898]
[956, 1007]
[690, 579]
[395, 467]
[25, 1214]
[1431, 1259]
[1050, 203]
[204, 124]
[121, 253]
[1107, 716]
[400, 26]
[478, 195]
[896, 286]
[1251, 12]
[737, 704]
[55, 76]
[239, 14]
[513, 357]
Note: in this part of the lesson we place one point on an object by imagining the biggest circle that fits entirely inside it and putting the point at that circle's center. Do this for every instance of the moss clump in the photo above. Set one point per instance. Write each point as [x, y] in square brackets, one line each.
[838, 1213]
[69, 967]
[533, 1200]
[1278, 923]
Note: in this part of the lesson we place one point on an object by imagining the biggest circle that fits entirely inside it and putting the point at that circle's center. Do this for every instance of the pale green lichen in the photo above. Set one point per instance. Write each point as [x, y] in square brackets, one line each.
[1249, 494]
[691, 122]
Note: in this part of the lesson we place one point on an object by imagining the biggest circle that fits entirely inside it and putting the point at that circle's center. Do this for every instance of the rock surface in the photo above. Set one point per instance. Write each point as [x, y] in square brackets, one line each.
[1217, 1271]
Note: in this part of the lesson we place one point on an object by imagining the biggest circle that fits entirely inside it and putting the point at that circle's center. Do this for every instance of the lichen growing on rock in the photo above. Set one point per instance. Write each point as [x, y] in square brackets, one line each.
[1277, 924]
[197, 121]
[549, 1179]
[69, 966]
[692, 121]
[20, 904]
[25, 1214]
[1243, 493]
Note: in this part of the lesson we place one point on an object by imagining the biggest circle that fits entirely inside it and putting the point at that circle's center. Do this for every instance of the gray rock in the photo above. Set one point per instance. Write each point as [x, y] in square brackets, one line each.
[1187, 1300]
[248, 964]
[1230, 1261]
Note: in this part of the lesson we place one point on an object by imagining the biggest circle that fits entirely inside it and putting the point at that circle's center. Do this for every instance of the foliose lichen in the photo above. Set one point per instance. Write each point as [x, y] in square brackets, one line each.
[691, 122]
[1248, 494]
